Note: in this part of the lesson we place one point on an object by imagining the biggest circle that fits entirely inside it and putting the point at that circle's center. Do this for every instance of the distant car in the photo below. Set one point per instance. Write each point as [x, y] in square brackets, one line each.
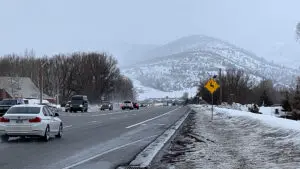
[136, 105]
[79, 103]
[127, 105]
[30, 120]
[5, 104]
[143, 105]
[67, 106]
[106, 105]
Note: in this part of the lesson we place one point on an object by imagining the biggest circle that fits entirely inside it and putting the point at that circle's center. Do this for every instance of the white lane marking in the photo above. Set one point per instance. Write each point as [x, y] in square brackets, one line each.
[105, 152]
[92, 122]
[68, 126]
[128, 127]
[106, 114]
[87, 124]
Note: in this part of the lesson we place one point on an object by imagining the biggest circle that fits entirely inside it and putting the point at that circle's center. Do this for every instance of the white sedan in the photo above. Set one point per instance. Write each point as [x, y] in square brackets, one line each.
[30, 120]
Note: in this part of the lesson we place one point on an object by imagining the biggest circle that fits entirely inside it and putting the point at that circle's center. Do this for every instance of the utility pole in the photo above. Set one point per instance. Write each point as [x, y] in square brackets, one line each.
[57, 91]
[220, 81]
[41, 82]
[41, 88]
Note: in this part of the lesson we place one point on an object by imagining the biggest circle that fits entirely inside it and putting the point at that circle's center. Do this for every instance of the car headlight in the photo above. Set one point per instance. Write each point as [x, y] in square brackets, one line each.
[80, 105]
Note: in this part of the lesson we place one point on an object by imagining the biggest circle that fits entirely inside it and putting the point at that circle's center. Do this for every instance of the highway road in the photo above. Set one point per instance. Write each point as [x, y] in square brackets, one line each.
[101, 140]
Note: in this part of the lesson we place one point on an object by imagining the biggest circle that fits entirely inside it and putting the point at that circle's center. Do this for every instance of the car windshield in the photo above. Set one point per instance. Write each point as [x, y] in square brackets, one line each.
[127, 102]
[24, 110]
[77, 101]
[8, 102]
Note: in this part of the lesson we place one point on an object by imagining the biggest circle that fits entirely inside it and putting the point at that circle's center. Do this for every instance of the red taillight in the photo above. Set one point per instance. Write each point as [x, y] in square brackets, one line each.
[121, 105]
[35, 120]
[4, 120]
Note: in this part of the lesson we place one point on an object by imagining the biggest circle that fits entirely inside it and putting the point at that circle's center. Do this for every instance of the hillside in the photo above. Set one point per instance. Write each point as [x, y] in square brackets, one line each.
[179, 65]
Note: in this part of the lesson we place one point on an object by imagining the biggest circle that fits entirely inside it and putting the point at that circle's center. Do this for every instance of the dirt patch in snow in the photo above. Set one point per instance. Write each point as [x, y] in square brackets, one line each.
[230, 143]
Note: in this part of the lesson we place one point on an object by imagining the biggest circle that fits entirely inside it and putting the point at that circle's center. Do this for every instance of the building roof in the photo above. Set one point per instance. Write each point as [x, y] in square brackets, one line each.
[20, 87]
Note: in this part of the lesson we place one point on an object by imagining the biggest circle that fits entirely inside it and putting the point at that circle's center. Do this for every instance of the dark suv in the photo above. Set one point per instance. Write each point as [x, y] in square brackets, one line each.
[79, 103]
[7, 103]
[106, 105]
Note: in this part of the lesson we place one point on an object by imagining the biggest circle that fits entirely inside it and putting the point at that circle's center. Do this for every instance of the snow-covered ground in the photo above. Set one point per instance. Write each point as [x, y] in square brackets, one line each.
[148, 92]
[235, 139]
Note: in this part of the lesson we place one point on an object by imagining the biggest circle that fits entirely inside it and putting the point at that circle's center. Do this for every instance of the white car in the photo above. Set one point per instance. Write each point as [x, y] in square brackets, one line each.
[30, 120]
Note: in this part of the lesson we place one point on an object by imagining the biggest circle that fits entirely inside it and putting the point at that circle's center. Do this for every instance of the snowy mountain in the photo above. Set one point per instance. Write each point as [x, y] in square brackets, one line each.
[128, 54]
[181, 64]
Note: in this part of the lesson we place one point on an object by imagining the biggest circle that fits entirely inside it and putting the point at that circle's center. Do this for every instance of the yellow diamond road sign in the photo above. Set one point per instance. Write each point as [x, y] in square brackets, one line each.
[212, 86]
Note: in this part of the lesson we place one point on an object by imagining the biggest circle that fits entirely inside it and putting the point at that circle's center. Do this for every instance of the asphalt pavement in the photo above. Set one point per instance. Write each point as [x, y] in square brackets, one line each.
[93, 140]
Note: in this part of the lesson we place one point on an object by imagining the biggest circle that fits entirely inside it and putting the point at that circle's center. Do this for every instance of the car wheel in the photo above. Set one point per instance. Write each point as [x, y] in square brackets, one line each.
[46, 136]
[66, 110]
[4, 138]
[60, 132]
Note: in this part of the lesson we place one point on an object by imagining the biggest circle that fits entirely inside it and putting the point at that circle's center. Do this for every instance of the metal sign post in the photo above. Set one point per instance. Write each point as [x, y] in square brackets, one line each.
[212, 86]
[212, 106]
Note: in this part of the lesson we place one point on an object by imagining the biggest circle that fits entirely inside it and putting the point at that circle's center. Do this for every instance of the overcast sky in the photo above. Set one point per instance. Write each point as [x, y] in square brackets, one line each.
[265, 27]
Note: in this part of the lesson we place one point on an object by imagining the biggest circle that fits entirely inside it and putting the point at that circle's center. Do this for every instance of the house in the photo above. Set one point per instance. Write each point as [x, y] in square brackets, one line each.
[23, 87]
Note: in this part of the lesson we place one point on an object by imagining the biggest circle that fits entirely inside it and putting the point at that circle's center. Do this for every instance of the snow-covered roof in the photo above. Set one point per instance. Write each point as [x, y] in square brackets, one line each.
[20, 87]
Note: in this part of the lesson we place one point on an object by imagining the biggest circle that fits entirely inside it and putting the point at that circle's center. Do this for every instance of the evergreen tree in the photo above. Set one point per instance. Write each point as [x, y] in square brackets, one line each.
[286, 102]
[265, 100]
[298, 31]
[296, 100]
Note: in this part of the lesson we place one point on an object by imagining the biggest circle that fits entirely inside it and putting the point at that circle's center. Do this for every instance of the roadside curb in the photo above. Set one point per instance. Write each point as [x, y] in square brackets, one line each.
[144, 159]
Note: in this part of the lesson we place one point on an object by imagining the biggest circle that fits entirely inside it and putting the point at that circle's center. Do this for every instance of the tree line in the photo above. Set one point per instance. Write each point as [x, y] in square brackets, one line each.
[90, 73]
[239, 87]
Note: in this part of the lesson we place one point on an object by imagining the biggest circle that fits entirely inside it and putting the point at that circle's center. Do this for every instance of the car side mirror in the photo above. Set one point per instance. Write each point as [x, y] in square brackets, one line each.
[56, 114]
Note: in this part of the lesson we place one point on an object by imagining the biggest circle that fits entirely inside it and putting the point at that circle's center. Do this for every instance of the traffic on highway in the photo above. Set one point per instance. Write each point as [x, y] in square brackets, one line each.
[107, 134]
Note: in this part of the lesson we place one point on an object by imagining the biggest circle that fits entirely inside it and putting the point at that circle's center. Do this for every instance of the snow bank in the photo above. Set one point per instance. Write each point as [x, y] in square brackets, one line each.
[271, 110]
[236, 106]
[239, 139]
[265, 118]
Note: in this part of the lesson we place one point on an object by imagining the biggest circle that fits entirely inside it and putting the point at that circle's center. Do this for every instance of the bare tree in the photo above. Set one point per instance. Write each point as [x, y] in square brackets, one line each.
[235, 86]
[94, 74]
[298, 31]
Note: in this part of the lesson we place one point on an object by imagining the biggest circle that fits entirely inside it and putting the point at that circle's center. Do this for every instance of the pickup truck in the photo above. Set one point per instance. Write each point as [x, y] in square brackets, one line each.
[7, 103]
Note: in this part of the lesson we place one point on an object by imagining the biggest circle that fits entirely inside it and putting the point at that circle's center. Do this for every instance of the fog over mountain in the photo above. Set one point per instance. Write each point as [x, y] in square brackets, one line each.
[263, 27]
